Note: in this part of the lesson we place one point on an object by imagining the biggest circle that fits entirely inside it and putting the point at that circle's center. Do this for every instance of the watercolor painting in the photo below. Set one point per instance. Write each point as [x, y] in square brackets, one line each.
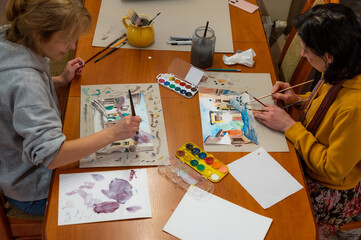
[108, 111]
[222, 123]
[103, 196]
[257, 84]
[103, 105]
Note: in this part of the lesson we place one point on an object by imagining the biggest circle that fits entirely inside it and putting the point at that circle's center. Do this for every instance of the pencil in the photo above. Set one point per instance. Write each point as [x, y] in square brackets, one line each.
[292, 104]
[123, 40]
[297, 85]
[226, 70]
[110, 44]
[108, 53]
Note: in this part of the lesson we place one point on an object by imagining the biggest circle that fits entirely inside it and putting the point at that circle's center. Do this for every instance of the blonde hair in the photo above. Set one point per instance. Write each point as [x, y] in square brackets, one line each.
[33, 21]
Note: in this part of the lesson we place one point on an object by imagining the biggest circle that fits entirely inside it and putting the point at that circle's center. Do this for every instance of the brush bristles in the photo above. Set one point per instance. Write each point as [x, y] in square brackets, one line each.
[133, 16]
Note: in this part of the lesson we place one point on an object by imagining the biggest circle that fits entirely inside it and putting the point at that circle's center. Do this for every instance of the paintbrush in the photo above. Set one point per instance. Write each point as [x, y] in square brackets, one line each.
[292, 104]
[110, 52]
[133, 16]
[110, 44]
[297, 85]
[132, 106]
[257, 99]
[153, 19]
[287, 106]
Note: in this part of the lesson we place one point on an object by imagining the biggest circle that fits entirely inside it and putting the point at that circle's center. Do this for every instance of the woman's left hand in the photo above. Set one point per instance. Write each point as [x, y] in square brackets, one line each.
[275, 118]
[72, 68]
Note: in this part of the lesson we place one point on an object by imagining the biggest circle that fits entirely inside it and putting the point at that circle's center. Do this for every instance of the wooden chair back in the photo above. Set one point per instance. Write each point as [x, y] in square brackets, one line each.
[17, 228]
[293, 67]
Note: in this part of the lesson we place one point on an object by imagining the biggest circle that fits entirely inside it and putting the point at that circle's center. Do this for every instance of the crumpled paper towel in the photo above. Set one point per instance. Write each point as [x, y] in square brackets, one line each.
[244, 58]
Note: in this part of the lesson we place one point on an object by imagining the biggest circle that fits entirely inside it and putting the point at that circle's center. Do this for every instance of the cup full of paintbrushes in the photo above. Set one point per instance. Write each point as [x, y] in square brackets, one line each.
[140, 31]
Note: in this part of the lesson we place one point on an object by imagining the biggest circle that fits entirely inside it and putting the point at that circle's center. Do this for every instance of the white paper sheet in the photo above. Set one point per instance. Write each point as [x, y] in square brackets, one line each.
[264, 178]
[177, 18]
[103, 196]
[215, 219]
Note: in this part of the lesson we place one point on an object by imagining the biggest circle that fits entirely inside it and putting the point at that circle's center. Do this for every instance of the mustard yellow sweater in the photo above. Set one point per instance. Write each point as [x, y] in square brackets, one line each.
[333, 155]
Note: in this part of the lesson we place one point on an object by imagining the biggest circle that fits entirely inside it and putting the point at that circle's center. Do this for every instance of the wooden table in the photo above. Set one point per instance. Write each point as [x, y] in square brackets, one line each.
[292, 217]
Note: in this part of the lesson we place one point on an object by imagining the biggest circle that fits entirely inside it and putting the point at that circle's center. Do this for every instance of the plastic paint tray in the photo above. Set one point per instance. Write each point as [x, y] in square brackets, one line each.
[183, 78]
[204, 163]
[185, 177]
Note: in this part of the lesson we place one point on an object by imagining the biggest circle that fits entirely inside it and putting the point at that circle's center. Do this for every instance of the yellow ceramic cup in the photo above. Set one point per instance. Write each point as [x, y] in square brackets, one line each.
[139, 36]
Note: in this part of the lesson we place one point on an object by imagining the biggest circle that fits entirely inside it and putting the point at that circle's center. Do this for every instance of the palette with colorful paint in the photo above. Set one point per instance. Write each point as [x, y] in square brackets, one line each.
[177, 85]
[204, 163]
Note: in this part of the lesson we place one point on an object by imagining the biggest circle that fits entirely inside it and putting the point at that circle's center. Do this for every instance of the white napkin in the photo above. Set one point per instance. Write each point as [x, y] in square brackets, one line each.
[244, 58]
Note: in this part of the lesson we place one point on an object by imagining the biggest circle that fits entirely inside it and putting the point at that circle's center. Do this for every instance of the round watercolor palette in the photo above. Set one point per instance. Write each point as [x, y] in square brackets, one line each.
[177, 85]
[204, 163]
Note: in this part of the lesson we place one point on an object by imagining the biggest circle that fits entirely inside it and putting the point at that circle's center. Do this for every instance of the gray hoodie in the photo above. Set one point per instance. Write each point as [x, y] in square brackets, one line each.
[30, 122]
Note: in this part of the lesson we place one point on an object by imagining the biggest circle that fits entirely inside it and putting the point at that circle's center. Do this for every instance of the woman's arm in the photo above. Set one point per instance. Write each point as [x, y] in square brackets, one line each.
[74, 150]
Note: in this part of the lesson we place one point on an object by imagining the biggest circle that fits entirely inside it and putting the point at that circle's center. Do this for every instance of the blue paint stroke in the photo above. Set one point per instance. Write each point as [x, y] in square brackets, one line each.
[248, 124]
[86, 92]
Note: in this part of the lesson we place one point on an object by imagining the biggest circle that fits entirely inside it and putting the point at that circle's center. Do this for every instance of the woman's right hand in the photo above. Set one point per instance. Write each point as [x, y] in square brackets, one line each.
[125, 127]
[288, 96]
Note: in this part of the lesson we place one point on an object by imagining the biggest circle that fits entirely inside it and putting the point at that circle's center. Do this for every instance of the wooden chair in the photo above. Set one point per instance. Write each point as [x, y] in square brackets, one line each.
[351, 226]
[293, 67]
[12, 228]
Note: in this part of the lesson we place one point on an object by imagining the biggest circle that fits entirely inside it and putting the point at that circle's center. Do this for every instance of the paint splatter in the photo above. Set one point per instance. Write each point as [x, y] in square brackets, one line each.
[159, 140]
[89, 201]
[106, 207]
[97, 177]
[88, 185]
[142, 137]
[85, 112]
[85, 91]
[248, 128]
[132, 175]
[133, 208]
[119, 190]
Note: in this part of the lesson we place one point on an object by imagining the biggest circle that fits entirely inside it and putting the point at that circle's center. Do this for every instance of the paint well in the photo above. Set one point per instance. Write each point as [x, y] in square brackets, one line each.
[194, 162]
[214, 177]
[216, 165]
[223, 169]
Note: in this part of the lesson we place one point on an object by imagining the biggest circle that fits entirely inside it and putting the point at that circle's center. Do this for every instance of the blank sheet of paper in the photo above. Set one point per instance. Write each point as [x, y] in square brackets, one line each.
[264, 178]
[215, 218]
[177, 18]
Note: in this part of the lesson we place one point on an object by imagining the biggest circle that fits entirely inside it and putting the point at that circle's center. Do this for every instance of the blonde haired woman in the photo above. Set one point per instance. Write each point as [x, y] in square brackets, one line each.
[32, 142]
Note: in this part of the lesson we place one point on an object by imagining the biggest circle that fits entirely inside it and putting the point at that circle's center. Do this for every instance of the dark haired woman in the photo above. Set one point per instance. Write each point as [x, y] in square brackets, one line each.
[328, 135]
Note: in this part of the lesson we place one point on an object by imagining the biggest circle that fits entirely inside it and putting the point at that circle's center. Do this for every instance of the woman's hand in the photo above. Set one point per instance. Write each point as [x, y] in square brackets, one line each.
[275, 118]
[288, 96]
[125, 127]
[72, 68]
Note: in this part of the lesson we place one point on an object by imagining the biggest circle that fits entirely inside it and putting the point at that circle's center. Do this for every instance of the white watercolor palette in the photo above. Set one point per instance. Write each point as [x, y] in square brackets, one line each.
[103, 196]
